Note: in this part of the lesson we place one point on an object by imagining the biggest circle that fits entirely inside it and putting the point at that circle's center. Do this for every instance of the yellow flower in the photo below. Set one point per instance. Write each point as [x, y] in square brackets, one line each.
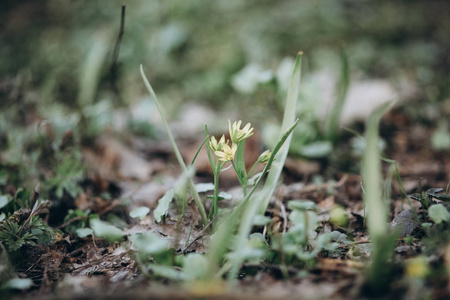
[417, 267]
[217, 146]
[236, 134]
[264, 157]
[227, 153]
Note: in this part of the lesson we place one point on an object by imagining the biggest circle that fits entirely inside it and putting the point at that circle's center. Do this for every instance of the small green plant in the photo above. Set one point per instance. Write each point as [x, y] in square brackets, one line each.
[240, 219]
[11, 237]
[434, 216]
[234, 154]
[426, 197]
[68, 173]
[301, 243]
[23, 226]
[377, 208]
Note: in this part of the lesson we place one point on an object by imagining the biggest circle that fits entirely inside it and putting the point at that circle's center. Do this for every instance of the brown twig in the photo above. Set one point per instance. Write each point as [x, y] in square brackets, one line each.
[38, 208]
[71, 221]
[119, 39]
[200, 235]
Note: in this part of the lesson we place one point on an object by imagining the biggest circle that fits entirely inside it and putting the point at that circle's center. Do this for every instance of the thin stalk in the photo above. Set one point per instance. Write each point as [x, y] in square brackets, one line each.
[242, 180]
[197, 199]
[336, 111]
[288, 119]
[383, 241]
[251, 169]
[198, 151]
[215, 202]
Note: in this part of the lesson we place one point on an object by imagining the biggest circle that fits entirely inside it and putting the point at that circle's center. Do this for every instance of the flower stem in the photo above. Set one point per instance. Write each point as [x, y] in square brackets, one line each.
[215, 203]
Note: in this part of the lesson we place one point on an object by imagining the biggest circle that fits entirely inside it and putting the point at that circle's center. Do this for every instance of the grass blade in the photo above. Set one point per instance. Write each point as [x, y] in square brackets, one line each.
[377, 209]
[342, 87]
[197, 199]
[288, 119]
[371, 175]
[92, 70]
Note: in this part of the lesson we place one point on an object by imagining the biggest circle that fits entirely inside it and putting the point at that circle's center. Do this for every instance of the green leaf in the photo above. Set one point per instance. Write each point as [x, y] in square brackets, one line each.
[166, 272]
[225, 196]
[240, 164]
[301, 204]
[307, 218]
[106, 230]
[149, 243]
[139, 212]
[254, 179]
[3, 201]
[371, 175]
[288, 119]
[163, 205]
[383, 240]
[18, 284]
[84, 232]
[204, 187]
[195, 266]
[260, 220]
[440, 140]
[342, 87]
[91, 70]
[317, 149]
[438, 213]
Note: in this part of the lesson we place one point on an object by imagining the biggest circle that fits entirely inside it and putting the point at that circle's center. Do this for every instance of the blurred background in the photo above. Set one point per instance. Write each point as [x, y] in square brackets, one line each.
[210, 61]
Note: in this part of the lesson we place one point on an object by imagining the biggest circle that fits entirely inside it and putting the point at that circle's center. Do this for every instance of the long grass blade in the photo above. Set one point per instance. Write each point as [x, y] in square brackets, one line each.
[377, 209]
[197, 199]
[371, 175]
[288, 119]
[92, 70]
[341, 90]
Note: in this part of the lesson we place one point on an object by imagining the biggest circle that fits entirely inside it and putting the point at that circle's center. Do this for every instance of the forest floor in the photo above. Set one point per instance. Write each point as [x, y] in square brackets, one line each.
[132, 168]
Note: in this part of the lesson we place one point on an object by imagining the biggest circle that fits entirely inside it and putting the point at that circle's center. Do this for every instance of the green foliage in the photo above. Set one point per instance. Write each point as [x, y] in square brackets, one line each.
[69, 171]
[426, 197]
[81, 223]
[438, 213]
[15, 234]
[188, 178]
[17, 284]
[154, 256]
[11, 237]
[21, 225]
[383, 241]
[288, 118]
[195, 266]
[301, 243]
[341, 91]
[139, 212]
[106, 230]
[163, 205]
[77, 98]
